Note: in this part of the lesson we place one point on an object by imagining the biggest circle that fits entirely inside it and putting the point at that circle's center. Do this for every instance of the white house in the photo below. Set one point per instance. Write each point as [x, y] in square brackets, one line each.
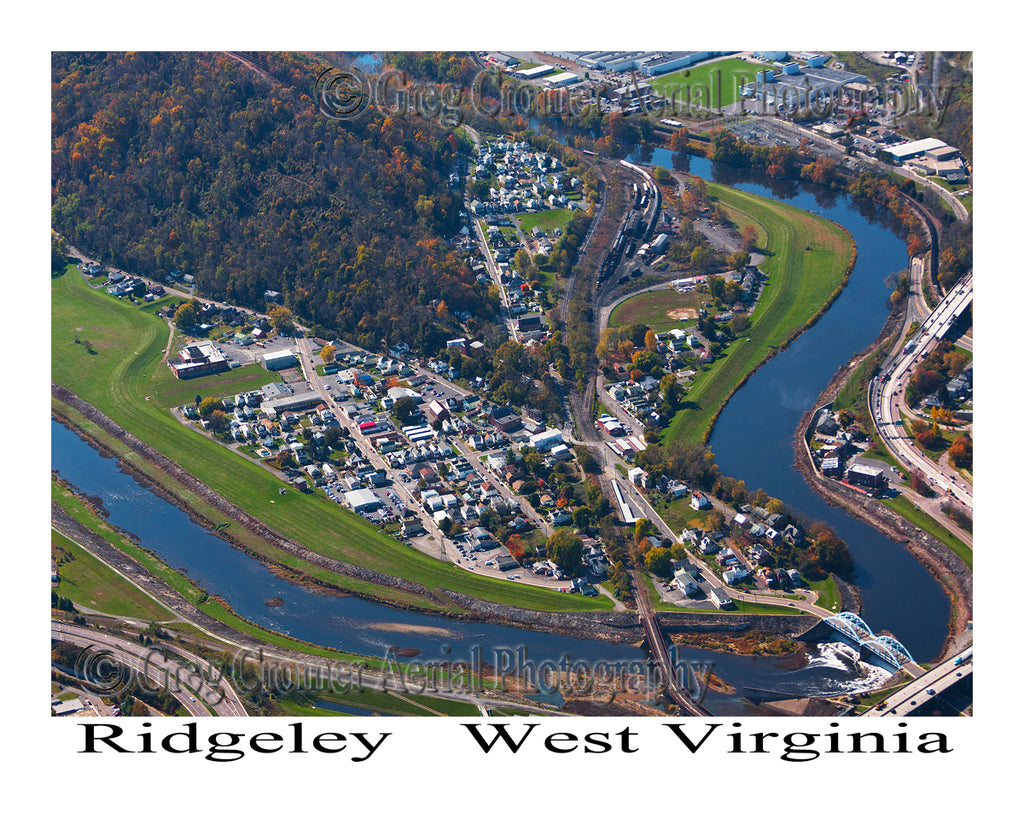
[732, 576]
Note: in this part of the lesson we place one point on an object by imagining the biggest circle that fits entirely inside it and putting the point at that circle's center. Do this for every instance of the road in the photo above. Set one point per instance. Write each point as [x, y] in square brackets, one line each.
[887, 392]
[931, 683]
[190, 687]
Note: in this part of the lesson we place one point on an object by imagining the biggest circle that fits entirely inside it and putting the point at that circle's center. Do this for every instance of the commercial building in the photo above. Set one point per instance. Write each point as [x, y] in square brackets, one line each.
[534, 73]
[545, 441]
[919, 147]
[362, 500]
[561, 79]
[198, 359]
[290, 403]
[863, 475]
[281, 360]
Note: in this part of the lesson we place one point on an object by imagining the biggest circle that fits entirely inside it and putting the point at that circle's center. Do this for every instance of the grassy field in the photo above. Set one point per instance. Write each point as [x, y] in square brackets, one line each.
[545, 219]
[716, 82]
[123, 378]
[91, 584]
[854, 394]
[905, 508]
[381, 702]
[808, 258]
[652, 309]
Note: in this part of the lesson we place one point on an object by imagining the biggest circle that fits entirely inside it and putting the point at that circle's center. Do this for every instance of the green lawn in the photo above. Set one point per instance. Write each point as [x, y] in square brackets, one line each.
[801, 282]
[126, 368]
[545, 219]
[92, 584]
[716, 82]
[855, 391]
[921, 519]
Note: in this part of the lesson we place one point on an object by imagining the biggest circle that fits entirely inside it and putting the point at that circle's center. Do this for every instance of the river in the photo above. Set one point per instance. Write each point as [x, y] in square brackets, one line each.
[752, 439]
[354, 625]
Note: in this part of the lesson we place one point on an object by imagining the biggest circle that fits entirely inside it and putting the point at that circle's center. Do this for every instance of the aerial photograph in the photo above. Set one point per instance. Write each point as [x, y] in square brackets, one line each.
[509, 385]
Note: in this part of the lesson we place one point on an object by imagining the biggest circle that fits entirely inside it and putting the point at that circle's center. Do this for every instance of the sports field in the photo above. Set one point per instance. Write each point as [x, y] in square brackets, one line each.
[807, 261]
[709, 85]
[661, 310]
[545, 219]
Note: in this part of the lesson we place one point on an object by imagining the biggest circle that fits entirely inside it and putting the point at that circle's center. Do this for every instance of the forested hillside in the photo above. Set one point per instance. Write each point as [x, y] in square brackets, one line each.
[197, 163]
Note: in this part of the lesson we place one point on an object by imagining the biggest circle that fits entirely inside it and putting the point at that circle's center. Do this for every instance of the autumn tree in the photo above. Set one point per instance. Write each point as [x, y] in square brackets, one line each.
[281, 319]
[515, 548]
[738, 260]
[218, 420]
[748, 238]
[961, 453]
[186, 316]
[327, 353]
[659, 561]
[208, 405]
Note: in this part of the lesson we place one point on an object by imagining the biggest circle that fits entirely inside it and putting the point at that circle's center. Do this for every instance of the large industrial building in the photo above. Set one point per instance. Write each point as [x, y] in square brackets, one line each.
[649, 63]
[791, 84]
[931, 157]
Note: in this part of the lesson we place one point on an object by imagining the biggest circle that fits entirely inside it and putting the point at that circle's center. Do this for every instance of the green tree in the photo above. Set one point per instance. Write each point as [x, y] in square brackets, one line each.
[566, 550]
[58, 252]
[404, 409]
[581, 518]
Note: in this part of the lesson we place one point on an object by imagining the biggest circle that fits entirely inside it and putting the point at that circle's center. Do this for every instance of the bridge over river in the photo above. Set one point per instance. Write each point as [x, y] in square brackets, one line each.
[873, 647]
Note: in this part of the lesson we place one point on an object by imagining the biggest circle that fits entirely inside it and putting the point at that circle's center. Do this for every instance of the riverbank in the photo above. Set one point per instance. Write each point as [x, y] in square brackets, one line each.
[611, 627]
[952, 574]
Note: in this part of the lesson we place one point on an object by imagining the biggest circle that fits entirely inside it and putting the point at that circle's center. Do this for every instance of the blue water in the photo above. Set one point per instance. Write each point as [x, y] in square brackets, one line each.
[752, 440]
[358, 626]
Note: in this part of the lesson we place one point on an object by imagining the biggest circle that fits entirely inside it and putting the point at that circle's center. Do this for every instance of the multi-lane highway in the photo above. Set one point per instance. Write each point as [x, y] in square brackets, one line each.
[886, 394]
[179, 672]
[932, 683]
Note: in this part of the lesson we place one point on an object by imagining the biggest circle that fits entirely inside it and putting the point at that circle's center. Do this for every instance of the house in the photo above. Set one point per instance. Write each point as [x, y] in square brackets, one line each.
[686, 583]
[699, 501]
[735, 575]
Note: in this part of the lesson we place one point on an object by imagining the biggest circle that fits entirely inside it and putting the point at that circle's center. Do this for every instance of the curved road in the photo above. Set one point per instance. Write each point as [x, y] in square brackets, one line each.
[886, 396]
